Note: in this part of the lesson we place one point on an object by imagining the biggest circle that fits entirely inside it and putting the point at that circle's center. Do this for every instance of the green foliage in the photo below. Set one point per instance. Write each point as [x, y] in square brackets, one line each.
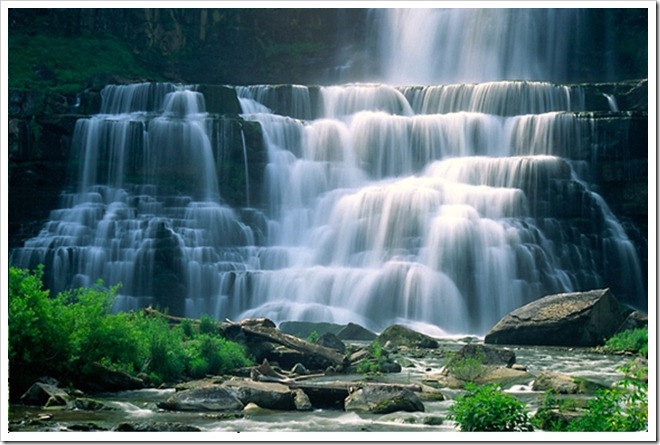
[623, 407]
[635, 341]
[371, 365]
[207, 354]
[313, 337]
[207, 325]
[63, 336]
[36, 337]
[487, 408]
[467, 368]
[65, 64]
[554, 414]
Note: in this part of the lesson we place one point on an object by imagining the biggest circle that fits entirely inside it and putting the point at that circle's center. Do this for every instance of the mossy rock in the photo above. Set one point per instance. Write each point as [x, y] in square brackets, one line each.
[399, 335]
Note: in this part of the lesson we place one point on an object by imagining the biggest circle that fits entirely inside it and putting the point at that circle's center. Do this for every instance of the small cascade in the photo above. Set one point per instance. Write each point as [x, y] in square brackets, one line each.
[611, 102]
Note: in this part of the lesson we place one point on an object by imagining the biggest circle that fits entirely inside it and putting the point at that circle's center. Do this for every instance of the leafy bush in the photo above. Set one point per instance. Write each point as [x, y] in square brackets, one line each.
[37, 339]
[487, 408]
[64, 335]
[207, 325]
[466, 368]
[623, 407]
[371, 365]
[209, 354]
[633, 340]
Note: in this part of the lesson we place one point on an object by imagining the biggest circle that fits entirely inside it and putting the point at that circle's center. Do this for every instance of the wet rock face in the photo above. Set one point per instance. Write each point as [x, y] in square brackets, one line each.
[571, 319]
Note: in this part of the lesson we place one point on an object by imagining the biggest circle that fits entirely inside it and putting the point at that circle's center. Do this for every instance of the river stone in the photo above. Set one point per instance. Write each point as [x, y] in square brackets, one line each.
[488, 354]
[267, 395]
[45, 394]
[354, 331]
[399, 335]
[559, 383]
[207, 398]
[301, 400]
[570, 319]
[382, 400]
[155, 427]
[330, 340]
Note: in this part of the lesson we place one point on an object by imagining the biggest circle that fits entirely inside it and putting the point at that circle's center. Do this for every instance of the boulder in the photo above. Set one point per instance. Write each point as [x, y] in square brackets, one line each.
[570, 319]
[383, 399]
[488, 355]
[564, 384]
[503, 376]
[205, 398]
[303, 329]
[155, 427]
[301, 400]
[354, 331]
[101, 378]
[330, 340]
[635, 320]
[399, 335]
[45, 394]
[557, 382]
[267, 395]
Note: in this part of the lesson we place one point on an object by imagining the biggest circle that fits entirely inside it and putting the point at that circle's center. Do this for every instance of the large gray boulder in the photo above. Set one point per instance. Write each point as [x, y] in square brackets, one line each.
[571, 319]
[383, 399]
[204, 398]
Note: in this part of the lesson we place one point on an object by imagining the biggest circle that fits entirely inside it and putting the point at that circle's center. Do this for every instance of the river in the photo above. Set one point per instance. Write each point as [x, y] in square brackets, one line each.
[141, 405]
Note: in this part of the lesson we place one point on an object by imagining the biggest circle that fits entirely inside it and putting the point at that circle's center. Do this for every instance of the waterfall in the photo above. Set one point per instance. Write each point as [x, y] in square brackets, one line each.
[439, 46]
[449, 194]
[611, 102]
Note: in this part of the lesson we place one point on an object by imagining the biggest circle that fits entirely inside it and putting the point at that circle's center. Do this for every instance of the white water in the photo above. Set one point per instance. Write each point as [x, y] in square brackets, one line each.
[443, 204]
[441, 46]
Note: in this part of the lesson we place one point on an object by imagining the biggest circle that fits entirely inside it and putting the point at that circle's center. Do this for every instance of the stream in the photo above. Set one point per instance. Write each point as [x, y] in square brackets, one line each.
[141, 405]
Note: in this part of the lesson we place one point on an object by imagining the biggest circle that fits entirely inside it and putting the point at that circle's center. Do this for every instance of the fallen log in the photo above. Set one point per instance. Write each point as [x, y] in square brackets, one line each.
[330, 356]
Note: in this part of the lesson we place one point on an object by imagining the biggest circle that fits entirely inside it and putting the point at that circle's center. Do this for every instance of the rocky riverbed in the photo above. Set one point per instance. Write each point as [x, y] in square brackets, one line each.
[269, 398]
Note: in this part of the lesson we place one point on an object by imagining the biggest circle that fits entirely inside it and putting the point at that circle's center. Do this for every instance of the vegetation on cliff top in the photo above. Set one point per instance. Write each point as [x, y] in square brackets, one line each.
[67, 65]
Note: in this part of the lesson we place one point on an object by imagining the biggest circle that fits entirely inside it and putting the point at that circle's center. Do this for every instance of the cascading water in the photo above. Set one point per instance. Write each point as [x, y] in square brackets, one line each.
[444, 204]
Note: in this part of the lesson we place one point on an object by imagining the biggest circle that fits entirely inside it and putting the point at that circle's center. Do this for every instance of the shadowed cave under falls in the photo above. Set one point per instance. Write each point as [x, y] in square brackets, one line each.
[421, 199]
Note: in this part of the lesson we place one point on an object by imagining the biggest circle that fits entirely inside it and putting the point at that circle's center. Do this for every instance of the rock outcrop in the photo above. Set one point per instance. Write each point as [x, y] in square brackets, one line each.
[570, 319]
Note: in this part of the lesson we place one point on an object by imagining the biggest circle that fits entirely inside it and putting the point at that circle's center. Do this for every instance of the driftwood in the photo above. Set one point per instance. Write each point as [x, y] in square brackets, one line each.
[265, 330]
[273, 335]
[169, 318]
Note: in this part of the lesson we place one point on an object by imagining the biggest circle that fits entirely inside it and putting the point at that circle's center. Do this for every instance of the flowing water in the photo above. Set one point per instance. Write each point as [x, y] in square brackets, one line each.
[141, 406]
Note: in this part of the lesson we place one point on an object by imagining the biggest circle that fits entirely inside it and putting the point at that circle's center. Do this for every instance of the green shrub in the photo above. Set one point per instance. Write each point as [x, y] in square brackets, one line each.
[207, 325]
[38, 339]
[633, 340]
[313, 337]
[64, 335]
[623, 407]
[487, 408]
[208, 354]
[371, 364]
[468, 368]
